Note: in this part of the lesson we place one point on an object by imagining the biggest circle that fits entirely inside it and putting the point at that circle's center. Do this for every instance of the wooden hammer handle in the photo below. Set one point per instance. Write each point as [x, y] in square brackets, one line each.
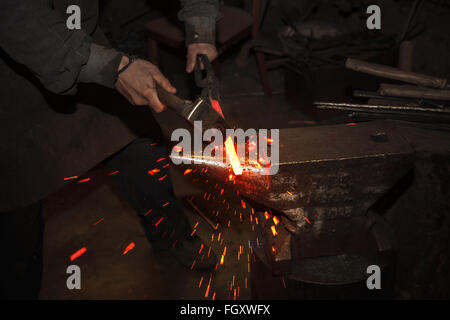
[395, 73]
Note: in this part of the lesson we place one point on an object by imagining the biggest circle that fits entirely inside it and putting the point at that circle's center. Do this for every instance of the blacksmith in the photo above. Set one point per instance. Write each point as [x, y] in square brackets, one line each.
[68, 102]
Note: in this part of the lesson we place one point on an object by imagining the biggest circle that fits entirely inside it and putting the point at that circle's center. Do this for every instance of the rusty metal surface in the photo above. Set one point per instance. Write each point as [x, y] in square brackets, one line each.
[330, 172]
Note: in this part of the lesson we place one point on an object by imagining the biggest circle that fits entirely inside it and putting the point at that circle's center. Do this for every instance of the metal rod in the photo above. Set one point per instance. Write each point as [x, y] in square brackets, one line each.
[201, 214]
[348, 106]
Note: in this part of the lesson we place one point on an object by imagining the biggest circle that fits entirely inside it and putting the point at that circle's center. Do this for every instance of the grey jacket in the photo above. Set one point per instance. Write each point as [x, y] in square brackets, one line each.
[52, 125]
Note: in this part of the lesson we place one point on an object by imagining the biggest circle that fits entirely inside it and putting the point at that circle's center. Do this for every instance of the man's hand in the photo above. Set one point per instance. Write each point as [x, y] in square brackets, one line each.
[199, 48]
[138, 84]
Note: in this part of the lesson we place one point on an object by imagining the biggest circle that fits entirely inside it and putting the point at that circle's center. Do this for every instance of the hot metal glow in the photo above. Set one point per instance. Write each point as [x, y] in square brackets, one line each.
[232, 157]
[215, 104]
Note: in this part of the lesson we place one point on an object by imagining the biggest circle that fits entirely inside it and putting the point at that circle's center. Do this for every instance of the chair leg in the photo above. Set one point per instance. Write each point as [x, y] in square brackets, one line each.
[152, 51]
[263, 73]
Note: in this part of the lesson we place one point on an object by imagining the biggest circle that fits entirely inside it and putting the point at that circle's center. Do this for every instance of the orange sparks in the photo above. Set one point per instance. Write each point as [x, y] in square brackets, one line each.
[166, 204]
[221, 192]
[96, 223]
[207, 288]
[177, 149]
[307, 220]
[276, 221]
[269, 140]
[232, 157]
[70, 178]
[187, 171]
[200, 283]
[84, 180]
[160, 159]
[154, 171]
[128, 248]
[215, 104]
[288, 192]
[148, 212]
[266, 215]
[274, 231]
[201, 248]
[163, 177]
[159, 221]
[111, 173]
[243, 204]
[77, 254]
[223, 255]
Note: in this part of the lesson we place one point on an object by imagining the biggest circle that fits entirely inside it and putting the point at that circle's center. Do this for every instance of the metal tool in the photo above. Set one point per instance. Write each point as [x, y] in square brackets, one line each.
[207, 107]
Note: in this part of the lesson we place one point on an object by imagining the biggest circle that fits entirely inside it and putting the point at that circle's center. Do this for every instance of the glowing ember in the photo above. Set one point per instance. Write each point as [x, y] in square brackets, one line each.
[243, 204]
[276, 221]
[166, 204]
[96, 223]
[266, 215]
[187, 171]
[177, 149]
[215, 104]
[274, 231]
[307, 220]
[160, 159]
[159, 221]
[77, 254]
[70, 178]
[84, 180]
[111, 173]
[154, 171]
[232, 157]
[163, 177]
[223, 255]
[128, 248]
[207, 288]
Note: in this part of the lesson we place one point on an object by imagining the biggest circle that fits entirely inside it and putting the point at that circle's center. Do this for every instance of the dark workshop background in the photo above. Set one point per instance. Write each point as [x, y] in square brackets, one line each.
[423, 233]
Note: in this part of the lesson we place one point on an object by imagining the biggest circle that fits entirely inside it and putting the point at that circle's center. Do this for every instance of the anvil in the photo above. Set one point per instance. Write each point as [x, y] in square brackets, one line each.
[329, 180]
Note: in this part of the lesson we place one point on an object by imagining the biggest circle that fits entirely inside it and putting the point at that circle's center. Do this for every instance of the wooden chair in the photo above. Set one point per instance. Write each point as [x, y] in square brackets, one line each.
[235, 26]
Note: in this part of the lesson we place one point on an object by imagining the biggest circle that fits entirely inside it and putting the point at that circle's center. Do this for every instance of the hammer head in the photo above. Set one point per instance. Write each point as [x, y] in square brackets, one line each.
[203, 110]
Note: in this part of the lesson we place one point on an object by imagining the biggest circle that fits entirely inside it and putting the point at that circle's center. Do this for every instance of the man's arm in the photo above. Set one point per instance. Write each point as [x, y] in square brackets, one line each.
[199, 18]
[36, 36]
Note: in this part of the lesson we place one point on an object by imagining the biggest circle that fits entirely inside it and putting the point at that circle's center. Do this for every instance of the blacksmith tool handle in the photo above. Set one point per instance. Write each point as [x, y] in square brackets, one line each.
[172, 101]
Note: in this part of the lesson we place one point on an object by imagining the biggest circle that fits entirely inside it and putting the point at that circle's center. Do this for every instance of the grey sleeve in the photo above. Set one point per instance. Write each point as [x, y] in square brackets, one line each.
[35, 35]
[199, 18]
[101, 68]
